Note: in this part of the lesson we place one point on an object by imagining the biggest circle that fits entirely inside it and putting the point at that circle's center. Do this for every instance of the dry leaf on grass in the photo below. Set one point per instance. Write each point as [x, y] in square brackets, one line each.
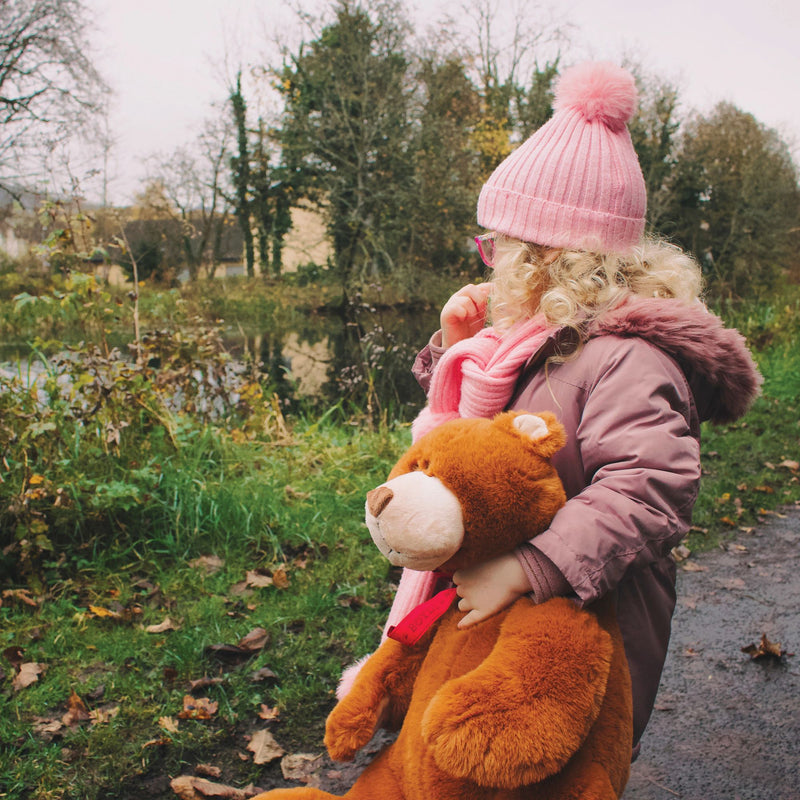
[264, 747]
[258, 579]
[263, 674]
[230, 654]
[296, 494]
[29, 673]
[168, 724]
[280, 578]
[267, 713]
[48, 728]
[257, 639]
[240, 589]
[204, 683]
[198, 708]
[162, 627]
[681, 553]
[100, 716]
[104, 613]
[210, 564]
[76, 711]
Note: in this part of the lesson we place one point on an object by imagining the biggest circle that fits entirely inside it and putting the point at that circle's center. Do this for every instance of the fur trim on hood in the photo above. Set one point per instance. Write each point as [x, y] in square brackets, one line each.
[716, 360]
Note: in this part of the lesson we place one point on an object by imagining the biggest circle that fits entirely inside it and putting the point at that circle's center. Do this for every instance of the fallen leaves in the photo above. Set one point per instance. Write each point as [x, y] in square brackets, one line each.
[115, 612]
[264, 747]
[268, 714]
[681, 555]
[77, 712]
[76, 715]
[163, 627]
[198, 708]
[256, 640]
[261, 578]
[189, 787]
[692, 566]
[168, 724]
[789, 464]
[27, 674]
[764, 649]
[104, 613]
[234, 654]
[204, 683]
[300, 766]
[208, 564]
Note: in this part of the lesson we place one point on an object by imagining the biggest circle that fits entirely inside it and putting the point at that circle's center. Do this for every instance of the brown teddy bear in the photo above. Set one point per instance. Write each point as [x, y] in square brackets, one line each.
[533, 702]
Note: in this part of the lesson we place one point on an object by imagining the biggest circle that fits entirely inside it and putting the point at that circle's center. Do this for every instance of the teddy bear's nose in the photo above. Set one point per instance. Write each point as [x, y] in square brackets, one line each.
[378, 499]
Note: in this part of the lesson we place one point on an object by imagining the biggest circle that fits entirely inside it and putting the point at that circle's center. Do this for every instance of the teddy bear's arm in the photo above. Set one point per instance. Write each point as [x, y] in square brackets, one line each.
[519, 716]
[380, 696]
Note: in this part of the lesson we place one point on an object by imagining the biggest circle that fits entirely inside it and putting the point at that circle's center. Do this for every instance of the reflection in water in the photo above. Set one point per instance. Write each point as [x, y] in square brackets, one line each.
[364, 359]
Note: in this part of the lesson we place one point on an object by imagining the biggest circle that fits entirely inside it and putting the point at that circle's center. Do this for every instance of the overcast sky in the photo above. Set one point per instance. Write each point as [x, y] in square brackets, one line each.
[165, 59]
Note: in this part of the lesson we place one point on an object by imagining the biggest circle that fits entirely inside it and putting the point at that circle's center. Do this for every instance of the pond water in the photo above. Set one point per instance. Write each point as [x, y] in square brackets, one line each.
[363, 360]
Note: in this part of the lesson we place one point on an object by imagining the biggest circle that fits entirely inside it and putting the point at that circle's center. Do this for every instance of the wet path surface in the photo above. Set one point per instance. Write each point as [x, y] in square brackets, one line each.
[726, 726]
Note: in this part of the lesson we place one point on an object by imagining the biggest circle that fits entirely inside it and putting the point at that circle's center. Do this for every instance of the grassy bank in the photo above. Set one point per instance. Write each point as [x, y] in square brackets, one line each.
[174, 577]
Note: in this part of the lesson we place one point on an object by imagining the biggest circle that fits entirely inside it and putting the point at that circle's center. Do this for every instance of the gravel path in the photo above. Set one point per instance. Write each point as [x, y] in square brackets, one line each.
[727, 727]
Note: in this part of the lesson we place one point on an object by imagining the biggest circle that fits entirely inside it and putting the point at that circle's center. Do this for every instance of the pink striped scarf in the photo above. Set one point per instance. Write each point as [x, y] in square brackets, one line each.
[474, 378]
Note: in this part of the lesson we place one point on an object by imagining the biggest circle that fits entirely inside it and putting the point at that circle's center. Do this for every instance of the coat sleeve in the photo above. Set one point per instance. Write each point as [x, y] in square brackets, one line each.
[426, 361]
[639, 446]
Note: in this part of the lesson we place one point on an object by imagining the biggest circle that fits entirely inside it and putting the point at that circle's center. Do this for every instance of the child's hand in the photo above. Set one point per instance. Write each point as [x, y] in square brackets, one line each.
[464, 314]
[490, 587]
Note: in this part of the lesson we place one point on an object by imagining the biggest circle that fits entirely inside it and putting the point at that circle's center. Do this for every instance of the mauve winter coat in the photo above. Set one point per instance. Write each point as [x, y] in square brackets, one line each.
[631, 402]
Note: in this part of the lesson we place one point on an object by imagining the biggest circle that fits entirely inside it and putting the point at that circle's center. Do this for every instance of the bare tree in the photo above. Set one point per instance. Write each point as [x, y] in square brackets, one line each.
[49, 87]
[193, 183]
[518, 48]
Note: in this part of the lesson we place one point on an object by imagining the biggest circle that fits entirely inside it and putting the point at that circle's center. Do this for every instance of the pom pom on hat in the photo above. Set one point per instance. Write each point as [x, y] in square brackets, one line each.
[601, 91]
[576, 182]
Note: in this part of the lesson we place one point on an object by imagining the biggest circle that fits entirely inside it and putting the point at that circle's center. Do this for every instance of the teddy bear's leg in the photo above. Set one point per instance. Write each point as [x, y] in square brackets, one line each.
[380, 696]
[377, 782]
[582, 780]
[298, 793]
[524, 712]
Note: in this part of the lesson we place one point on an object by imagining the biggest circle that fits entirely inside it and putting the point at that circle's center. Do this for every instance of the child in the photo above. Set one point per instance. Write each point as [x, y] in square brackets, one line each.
[603, 327]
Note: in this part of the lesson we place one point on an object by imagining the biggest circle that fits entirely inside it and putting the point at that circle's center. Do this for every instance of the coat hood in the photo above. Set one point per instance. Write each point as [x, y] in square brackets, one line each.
[717, 363]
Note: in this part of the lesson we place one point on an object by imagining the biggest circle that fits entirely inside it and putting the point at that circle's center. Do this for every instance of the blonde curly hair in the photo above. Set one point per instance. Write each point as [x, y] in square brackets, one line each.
[573, 287]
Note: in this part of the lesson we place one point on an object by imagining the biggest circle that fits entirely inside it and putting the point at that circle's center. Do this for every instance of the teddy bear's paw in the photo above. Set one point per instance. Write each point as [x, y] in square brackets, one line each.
[349, 728]
[492, 745]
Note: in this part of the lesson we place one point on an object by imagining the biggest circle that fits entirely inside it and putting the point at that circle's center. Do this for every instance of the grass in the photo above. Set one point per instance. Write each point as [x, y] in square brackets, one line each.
[305, 503]
[280, 497]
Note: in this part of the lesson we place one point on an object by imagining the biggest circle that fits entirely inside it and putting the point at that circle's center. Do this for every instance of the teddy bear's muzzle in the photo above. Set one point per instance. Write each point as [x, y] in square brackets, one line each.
[415, 521]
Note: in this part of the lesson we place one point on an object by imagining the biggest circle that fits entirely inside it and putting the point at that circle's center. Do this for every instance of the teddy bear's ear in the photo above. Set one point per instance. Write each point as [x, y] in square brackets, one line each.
[532, 425]
[544, 429]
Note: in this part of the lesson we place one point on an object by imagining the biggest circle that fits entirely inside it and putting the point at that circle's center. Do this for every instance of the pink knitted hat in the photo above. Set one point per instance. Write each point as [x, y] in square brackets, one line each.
[576, 182]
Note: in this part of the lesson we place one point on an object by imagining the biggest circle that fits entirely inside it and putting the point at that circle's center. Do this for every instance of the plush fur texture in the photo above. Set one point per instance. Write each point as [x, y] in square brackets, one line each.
[700, 343]
[533, 702]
